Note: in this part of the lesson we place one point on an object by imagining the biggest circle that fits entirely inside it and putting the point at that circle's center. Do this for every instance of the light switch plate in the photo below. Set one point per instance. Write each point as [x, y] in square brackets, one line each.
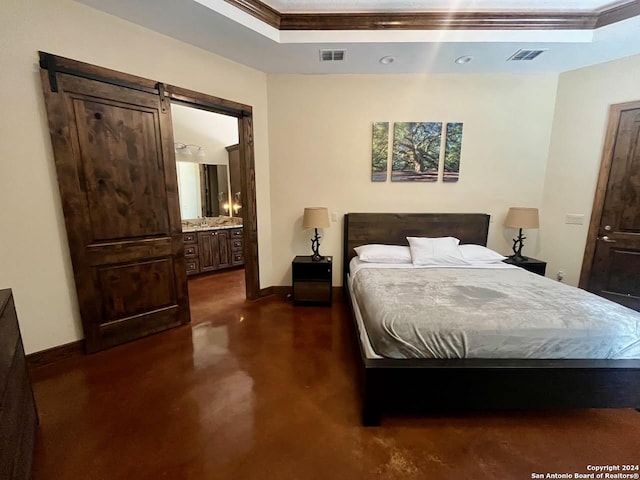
[574, 219]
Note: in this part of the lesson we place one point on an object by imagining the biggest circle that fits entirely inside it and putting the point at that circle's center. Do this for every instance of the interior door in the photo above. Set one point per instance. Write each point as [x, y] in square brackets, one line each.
[615, 271]
[113, 149]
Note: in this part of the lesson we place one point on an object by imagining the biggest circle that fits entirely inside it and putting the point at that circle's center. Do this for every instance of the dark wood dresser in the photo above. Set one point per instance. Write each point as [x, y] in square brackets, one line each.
[18, 415]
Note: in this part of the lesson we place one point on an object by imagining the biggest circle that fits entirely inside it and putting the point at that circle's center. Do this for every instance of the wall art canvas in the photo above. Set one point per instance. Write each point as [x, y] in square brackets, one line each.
[380, 152]
[453, 146]
[416, 151]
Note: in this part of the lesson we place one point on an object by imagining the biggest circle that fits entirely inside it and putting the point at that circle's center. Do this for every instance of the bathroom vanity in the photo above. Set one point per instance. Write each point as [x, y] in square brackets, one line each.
[210, 248]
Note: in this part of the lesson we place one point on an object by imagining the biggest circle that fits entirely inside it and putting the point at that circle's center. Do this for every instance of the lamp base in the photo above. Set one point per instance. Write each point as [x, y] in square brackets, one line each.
[518, 243]
[315, 248]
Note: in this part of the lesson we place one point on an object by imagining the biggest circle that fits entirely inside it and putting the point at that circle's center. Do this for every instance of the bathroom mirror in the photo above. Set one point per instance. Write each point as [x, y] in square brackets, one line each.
[203, 190]
[208, 163]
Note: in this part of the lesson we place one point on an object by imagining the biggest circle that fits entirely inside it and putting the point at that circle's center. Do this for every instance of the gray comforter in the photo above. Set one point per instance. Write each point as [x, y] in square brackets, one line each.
[489, 313]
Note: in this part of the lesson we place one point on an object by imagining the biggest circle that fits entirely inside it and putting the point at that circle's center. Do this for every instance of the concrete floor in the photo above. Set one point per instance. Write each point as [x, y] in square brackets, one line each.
[264, 390]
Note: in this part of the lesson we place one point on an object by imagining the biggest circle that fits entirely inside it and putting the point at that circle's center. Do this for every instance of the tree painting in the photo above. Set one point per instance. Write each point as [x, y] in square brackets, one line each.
[380, 152]
[453, 145]
[416, 151]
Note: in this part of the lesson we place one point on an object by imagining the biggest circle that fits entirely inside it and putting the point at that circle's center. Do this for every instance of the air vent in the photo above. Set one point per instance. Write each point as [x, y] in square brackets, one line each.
[525, 55]
[332, 55]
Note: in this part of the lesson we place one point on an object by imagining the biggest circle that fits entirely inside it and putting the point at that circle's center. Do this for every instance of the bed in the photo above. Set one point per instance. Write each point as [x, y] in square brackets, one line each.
[416, 385]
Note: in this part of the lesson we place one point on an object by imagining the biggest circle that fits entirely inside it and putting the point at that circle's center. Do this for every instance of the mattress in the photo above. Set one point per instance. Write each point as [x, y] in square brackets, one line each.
[493, 311]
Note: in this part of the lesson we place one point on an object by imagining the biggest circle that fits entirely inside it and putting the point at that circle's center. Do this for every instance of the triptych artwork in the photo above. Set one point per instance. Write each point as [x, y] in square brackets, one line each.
[415, 155]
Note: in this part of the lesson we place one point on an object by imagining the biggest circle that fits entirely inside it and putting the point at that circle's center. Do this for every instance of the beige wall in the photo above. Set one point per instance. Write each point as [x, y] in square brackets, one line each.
[34, 257]
[320, 150]
[579, 125]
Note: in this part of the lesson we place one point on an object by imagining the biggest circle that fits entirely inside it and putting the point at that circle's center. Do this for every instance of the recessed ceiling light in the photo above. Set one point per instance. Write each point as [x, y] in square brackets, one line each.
[387, 60]
[465, 59]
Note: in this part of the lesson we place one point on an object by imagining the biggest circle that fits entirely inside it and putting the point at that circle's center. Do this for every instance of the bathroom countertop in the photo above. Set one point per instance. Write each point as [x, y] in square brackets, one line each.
[203, 228]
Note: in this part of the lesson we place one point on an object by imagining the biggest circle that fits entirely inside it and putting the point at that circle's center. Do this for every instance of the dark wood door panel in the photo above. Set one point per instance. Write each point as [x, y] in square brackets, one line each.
[125, 288]
[621, 206]
[125, 188]
[127, 251]
[115, 333]
[113, 149]
[623, 284]
[615, 268]
[630, 215]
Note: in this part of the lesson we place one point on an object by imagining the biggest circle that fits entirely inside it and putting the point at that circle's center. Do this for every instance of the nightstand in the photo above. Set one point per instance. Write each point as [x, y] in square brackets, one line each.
[531, 264]
[311, 281]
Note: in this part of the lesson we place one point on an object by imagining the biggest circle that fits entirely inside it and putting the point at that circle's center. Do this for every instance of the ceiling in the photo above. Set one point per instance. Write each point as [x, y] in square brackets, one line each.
[223, 28]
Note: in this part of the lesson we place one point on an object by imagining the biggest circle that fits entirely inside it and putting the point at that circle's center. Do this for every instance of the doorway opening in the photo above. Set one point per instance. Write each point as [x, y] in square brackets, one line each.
[226, 177]
[206, 146]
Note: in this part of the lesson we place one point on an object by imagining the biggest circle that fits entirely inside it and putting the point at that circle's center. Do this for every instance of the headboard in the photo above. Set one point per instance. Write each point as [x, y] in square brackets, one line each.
[394, 228]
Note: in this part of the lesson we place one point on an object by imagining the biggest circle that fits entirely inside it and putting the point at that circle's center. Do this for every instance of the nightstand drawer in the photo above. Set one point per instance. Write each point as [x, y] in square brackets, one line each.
[312, 292]
[539, 268]
[531, 264]
[310, 271]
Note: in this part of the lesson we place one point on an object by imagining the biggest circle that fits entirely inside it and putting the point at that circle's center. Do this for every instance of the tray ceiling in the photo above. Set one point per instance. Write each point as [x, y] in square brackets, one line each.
[222, 27]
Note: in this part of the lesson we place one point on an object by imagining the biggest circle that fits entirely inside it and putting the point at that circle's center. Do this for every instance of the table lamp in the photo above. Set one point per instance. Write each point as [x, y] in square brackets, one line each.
[521, 217]
[316, 217]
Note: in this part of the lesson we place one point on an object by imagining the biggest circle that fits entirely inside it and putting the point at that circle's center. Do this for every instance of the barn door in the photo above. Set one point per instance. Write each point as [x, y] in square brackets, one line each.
[113, 148]
[615, 225]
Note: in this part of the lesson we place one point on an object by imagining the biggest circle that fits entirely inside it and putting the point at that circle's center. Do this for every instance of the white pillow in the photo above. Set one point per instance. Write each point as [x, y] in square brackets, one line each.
[375, 253]
[479, 254]
[435, 251]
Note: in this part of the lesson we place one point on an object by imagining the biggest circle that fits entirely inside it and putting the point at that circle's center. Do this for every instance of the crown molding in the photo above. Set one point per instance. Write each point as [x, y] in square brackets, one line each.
[509, 20]
[259, 10]
[618, 13]
[439, 21]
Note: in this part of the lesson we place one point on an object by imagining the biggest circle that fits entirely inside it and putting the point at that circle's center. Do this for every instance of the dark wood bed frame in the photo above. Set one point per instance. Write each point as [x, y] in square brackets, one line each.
[417, 385]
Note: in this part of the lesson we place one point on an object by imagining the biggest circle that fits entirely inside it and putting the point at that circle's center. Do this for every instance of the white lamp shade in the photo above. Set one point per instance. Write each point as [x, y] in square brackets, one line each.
[521, 217]
[316, 217]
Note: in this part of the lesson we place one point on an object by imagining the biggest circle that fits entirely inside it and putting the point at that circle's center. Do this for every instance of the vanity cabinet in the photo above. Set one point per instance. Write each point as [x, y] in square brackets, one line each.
[191, 256]
[237, 247]
[211, 250]
[214, 250]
